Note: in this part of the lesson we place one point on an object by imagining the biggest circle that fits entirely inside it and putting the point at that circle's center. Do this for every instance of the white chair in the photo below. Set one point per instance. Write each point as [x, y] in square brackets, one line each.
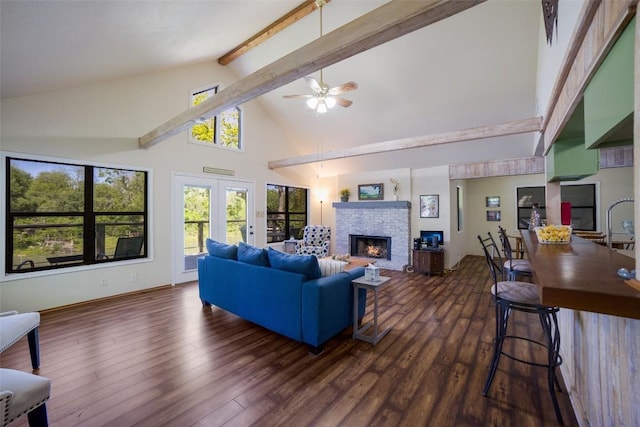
[23, 393]
[14, 325]
[315, 241]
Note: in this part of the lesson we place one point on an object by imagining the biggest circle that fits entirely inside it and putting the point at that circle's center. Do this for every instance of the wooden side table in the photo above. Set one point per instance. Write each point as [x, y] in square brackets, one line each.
[359, 332]
[290, 246]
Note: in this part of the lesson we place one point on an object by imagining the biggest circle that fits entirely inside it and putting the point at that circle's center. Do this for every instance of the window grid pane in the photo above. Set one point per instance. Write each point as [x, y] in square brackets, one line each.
[222, 130]
[582, 198]
[286, 212]
[52, 226]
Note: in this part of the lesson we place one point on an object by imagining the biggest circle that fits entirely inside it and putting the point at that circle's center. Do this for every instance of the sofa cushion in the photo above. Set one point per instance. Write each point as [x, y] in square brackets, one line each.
[252, 255]
[302, 264]
[222, 250]
[329, 267]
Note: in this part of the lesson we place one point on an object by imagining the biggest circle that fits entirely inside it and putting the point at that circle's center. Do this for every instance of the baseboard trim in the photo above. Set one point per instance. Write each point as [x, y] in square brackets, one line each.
[103, 299]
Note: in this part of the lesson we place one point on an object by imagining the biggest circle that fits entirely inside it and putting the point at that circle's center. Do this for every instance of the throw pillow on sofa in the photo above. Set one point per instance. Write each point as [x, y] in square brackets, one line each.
[222, 250]
[329, 267]
[302, 264]
[252, 255]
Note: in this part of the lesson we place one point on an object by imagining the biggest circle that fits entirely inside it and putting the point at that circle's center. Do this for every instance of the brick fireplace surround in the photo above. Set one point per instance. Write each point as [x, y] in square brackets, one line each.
[391, 219]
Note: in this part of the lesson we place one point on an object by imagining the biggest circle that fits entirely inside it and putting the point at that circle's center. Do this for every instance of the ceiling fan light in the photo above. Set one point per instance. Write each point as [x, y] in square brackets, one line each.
[322, 108]
[330, 101]
[312, 103]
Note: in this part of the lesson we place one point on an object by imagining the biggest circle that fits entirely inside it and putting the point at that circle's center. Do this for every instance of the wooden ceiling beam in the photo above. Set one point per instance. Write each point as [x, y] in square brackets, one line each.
[388, 22]
[491, 168]
[274, 28]
[533, 124]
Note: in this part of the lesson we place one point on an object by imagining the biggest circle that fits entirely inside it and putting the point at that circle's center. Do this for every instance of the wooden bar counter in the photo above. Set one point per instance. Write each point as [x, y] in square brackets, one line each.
[582, 275]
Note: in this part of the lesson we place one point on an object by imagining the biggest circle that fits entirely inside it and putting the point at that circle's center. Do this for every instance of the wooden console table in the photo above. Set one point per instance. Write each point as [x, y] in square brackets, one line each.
[582, 275]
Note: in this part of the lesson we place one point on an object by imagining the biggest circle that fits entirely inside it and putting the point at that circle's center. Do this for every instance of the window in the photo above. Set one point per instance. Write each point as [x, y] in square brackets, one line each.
[526, 197]
[582, 198]
[222, 130]
[286, 212]
[460, 207]
[583, 205]
[63, 214]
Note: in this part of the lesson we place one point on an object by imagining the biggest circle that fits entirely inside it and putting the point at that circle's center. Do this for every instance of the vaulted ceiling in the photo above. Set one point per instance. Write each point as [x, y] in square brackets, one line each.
[473, 69]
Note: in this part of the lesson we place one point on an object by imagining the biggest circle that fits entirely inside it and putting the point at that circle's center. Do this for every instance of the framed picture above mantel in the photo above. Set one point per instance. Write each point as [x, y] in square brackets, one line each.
[370, 191]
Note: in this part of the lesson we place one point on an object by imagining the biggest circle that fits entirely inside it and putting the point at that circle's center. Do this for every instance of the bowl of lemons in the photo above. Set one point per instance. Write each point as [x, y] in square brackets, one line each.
[554, 234]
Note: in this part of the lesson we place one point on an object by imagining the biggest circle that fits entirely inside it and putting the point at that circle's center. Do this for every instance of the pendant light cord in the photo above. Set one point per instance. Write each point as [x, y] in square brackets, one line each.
[320, 4]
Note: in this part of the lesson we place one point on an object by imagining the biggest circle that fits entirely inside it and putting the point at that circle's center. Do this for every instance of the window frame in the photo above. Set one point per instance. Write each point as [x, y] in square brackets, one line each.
[88, 227]
[526, 210]
[287, 214]
[217, 120]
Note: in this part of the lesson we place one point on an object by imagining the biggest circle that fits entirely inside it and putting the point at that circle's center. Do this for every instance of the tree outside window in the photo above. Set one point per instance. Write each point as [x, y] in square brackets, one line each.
[286, 212]
[61, 214]
[222, 130]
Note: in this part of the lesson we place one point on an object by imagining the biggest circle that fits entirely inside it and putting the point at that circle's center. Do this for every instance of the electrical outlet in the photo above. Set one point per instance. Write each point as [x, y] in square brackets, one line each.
[104, 281]
[134, 277]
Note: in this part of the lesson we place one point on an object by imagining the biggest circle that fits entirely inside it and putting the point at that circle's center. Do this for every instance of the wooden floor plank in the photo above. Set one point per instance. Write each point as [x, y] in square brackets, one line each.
[159, 358]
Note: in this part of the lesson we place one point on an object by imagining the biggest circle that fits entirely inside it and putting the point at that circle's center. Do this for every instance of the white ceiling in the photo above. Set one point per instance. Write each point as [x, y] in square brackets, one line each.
[475, 68]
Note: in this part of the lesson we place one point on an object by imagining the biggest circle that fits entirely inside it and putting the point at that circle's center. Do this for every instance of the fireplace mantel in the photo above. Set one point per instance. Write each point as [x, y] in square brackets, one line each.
[373, 205]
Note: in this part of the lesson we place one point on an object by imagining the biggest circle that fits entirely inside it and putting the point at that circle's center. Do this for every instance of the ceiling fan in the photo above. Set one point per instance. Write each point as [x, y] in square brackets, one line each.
[323, 96]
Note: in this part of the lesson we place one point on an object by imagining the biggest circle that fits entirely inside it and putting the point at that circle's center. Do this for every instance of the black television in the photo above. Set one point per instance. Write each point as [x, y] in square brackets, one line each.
[432, 238]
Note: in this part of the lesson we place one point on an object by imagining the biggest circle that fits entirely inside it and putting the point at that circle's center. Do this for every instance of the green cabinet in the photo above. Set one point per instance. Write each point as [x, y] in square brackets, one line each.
[608, 98]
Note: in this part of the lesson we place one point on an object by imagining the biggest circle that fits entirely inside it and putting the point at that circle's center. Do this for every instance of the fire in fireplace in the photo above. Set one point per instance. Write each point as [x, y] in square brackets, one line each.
[370, 246]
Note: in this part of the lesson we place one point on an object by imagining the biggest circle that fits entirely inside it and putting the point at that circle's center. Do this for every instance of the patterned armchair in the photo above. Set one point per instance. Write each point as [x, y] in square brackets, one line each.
[315, 241]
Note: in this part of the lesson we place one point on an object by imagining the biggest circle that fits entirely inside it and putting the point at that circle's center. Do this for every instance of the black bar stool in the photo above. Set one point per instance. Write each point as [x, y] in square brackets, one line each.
[523, 297]
[516, 268]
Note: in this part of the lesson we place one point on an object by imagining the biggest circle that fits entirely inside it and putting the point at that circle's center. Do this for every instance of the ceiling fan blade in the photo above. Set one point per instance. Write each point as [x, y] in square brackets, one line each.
[313, 83]
[343, 102]
[343, 88]
[297, 96]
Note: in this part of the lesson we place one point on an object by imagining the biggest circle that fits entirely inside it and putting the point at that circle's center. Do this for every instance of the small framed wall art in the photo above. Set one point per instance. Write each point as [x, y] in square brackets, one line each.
[493, 201]
[493, 216]
[370, 192]
[430, 206]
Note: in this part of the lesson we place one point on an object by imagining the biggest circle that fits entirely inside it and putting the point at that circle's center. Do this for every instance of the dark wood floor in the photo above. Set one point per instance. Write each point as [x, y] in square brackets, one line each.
[159, 358]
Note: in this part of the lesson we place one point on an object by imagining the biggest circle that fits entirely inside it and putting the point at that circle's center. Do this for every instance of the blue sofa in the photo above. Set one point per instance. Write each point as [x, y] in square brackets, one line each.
[280, 292]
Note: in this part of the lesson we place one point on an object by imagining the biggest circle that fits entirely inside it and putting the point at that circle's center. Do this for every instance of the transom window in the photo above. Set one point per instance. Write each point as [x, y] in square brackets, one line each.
[582, 198]
[286, 212]
[222, 130]
[62, 214]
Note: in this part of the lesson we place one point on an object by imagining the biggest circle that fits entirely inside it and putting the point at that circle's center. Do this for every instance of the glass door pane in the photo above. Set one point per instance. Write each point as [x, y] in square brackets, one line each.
[205, 207]
[236, 200]
[196, 224]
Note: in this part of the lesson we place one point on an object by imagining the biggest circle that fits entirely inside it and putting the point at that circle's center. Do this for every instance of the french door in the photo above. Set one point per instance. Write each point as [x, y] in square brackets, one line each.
[207, 207]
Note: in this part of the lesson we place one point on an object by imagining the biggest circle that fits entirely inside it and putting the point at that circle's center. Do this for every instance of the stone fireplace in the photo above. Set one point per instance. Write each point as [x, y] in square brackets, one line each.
[367, 223]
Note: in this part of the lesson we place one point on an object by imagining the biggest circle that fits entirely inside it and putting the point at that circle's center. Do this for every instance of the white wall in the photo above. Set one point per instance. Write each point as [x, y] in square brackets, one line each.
[550, 57]
[101, 123]
[434, 181]
[457, 245]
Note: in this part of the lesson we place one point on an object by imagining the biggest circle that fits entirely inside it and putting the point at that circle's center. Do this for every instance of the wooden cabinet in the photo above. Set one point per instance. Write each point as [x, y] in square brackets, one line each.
[430, 262]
